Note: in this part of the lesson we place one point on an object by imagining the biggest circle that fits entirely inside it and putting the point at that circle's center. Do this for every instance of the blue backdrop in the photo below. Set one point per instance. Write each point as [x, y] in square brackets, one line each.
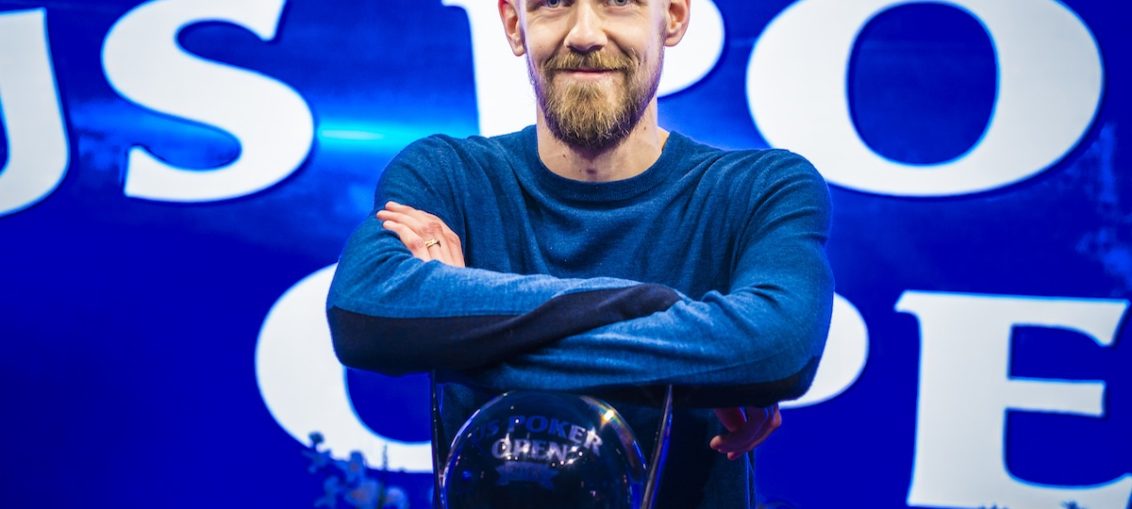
[180, 175]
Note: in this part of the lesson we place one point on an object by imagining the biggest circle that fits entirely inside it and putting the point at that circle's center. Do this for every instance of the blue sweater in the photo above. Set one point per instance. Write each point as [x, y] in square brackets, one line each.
[707, 271]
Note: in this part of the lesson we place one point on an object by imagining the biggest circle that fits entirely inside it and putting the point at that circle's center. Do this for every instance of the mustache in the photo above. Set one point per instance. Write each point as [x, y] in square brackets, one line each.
[599, 60]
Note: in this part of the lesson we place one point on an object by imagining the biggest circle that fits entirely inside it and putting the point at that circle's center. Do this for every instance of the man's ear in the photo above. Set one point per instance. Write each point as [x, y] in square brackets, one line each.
[509, 14]
[676, 21]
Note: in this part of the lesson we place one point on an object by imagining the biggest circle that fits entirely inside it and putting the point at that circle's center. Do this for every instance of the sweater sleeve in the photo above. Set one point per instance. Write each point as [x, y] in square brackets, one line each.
[392, 313]
[757, 344]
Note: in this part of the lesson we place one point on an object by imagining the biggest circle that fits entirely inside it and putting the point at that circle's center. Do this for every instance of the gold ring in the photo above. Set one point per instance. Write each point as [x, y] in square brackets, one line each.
[431, 242]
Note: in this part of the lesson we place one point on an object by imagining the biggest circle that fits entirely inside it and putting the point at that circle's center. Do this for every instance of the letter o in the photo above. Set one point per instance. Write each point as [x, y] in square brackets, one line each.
[304, 386]
[1050, 78]
[843, 360]
[536, 424]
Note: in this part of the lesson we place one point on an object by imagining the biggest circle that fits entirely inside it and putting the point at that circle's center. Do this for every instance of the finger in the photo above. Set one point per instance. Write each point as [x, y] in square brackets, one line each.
[429, 226]
[761, 422]
[406, 219]
[452, 245]
[421, 216]
[449, 242]
[739, 440]
[422, 225]
[422, 222]
[766, 417]
[392, 205]
[732, 446]
[426, 225]
[732, 418]
[436, 250]
[774, 422]
[447, 249]
[409, 238]
[765, 421]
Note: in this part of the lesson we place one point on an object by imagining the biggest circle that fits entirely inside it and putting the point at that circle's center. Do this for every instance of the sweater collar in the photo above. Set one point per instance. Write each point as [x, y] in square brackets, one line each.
[617, 190]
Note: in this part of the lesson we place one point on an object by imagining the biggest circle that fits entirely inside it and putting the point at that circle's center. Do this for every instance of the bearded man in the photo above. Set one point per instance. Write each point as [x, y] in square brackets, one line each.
[597, 253]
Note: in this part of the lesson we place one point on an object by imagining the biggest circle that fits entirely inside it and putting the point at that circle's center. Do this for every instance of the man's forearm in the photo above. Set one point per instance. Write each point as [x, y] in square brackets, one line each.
[392, 313]
[744, 349]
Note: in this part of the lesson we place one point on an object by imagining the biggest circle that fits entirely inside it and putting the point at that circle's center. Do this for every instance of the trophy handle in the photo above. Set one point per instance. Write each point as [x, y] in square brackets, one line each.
[439, 447]
[659, 451]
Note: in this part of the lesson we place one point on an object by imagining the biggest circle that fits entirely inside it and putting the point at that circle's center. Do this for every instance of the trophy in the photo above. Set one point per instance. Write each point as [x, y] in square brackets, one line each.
[547, 450]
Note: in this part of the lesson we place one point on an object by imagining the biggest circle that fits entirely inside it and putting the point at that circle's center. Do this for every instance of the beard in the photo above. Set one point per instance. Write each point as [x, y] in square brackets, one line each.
[584, 115]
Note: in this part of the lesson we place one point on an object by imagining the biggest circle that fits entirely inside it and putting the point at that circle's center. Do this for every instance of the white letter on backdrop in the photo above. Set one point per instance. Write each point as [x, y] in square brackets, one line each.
[504, 97]
[304, 385]
[1049, 88]
[273, 124]
[29, 101]
[844, 357]
[965, 392]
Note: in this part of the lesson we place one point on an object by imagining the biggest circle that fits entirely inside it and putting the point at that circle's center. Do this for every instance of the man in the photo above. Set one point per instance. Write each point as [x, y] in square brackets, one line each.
[597, 253]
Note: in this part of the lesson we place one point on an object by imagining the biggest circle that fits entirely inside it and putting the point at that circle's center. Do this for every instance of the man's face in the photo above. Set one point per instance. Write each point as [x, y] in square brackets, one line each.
[595, 65]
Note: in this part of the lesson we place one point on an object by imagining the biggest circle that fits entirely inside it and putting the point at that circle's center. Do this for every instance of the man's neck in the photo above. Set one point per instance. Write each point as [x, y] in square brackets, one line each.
[635, 154]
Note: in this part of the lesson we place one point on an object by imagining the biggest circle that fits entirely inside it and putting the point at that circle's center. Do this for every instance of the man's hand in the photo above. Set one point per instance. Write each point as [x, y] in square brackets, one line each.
[745, 430]
[426, 236]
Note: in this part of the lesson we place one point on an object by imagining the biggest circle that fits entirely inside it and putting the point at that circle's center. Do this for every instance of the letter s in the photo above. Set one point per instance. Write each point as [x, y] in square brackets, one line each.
[273, 124]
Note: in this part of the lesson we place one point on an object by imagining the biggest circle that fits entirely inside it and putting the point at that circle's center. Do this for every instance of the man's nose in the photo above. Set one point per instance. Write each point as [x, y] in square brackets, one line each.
[587, 33]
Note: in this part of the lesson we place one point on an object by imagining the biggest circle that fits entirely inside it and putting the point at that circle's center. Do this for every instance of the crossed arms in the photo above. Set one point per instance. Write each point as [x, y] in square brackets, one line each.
[393, 312]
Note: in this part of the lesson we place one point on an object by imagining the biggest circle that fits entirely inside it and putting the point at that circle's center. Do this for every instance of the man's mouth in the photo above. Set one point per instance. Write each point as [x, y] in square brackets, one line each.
[588, 71]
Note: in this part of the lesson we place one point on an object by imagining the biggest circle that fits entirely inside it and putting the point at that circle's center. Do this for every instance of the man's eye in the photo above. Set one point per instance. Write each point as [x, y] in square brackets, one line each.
[552, 3]
[620, 3]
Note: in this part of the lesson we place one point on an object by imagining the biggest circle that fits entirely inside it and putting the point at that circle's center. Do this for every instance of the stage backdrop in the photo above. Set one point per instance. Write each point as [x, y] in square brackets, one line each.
[179, 176]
